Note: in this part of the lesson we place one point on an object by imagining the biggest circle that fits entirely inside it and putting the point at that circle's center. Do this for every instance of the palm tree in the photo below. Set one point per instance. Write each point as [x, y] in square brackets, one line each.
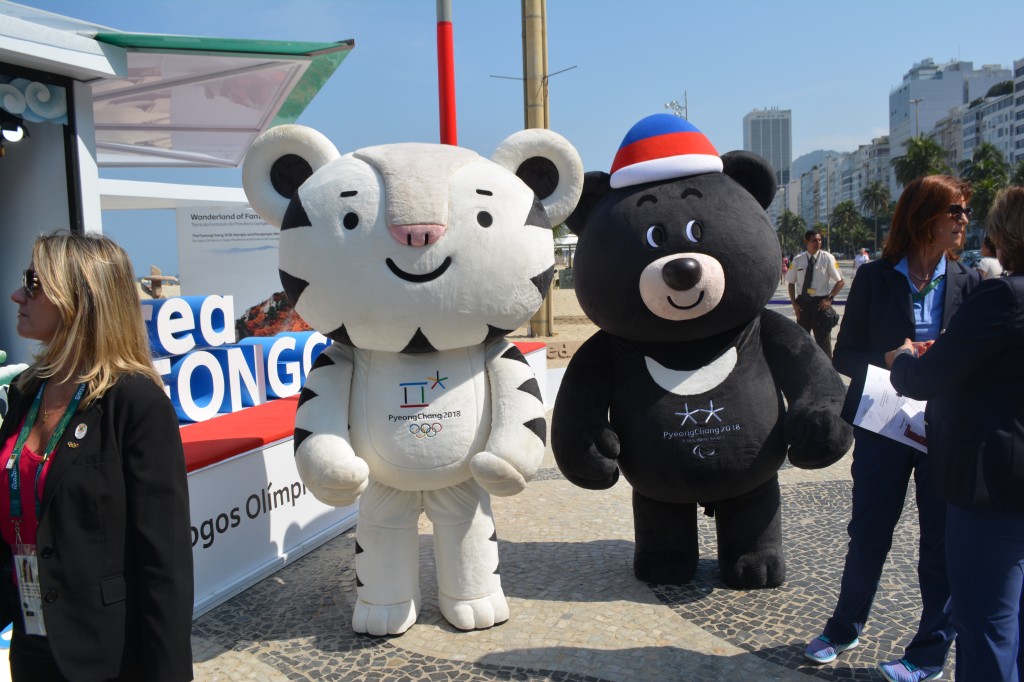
[874, 199]
[988, 172]
[924, 157]
[846, 221]
[791, 232]
[1017, 178]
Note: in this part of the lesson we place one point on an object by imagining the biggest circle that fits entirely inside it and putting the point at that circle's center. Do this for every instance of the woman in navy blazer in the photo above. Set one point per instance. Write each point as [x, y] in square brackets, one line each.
[94, 500]
[973, 380]
[911, 292]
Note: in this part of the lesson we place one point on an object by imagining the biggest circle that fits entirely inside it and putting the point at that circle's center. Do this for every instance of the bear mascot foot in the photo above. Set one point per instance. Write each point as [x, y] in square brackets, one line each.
[754, 570]
[750, 555]
[475, 614]
[384, 619]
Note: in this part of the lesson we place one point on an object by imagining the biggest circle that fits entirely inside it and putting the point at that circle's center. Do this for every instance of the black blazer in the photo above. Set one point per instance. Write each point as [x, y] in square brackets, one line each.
[879, 315]
[115, 554]
[973, 380]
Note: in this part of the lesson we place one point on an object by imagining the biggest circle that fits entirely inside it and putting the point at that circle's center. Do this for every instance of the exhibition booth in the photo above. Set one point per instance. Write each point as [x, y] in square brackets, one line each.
[75, 97]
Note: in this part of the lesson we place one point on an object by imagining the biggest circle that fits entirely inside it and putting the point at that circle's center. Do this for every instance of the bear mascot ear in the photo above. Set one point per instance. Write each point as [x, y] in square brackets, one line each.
[753, 173]
[548, 164]
[596, 184]
[277, 164]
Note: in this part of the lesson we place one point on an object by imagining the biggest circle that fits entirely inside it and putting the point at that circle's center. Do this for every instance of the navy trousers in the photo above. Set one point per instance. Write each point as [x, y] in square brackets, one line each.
[985, 550]
[881, 473]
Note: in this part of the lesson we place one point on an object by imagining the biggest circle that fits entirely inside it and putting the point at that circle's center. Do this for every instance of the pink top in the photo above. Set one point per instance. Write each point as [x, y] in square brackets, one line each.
[27, 465]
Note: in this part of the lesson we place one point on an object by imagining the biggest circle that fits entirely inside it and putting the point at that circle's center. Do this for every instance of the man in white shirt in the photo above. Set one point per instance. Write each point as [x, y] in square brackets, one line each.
[812, 271]
[860, 259]
[988, 266]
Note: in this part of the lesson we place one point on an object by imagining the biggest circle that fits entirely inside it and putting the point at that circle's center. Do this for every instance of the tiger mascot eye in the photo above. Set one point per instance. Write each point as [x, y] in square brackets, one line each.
[417, 260]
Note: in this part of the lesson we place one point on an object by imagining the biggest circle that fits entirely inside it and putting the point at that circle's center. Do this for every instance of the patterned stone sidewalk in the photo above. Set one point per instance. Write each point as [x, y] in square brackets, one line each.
[577, 611]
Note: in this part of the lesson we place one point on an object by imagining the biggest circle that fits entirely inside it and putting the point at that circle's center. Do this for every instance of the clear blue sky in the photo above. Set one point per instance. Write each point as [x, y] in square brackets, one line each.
[831, 63]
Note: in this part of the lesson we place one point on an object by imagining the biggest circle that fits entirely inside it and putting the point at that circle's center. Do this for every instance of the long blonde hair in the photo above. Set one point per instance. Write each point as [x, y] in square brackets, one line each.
[101, 335]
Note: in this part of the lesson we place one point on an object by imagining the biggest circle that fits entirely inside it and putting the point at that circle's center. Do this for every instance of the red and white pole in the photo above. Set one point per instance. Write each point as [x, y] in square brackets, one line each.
[446, 73]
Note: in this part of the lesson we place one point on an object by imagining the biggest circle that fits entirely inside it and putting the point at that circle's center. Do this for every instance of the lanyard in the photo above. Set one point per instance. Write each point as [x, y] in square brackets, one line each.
[918, 296]
[13, 473]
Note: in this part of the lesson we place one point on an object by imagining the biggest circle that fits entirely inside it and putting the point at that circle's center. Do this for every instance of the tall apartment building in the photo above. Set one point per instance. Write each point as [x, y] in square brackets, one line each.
[989, 119]
[769, 132]
[1018, 111]
[949, 133]
[930, 90]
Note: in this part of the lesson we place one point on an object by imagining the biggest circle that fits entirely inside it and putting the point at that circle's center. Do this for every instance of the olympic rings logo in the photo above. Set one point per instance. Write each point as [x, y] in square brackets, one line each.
[425, 430]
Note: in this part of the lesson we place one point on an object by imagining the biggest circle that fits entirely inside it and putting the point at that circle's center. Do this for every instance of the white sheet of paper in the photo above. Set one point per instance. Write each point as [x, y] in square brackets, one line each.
[888, 414]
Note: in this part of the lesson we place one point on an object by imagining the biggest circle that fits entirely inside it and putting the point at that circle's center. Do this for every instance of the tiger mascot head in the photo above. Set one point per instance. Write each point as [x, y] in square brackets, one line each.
[413, 247]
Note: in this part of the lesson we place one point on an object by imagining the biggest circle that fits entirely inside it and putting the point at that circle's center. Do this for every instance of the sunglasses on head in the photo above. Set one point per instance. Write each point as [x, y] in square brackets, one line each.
[956, 210]
[30, 281]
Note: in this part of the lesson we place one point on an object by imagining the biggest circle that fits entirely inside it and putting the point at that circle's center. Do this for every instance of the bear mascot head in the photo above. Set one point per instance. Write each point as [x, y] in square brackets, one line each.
[682, 388]
[417, 260]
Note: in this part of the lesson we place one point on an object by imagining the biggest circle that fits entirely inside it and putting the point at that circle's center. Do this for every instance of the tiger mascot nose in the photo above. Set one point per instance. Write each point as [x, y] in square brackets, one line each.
[420, 234]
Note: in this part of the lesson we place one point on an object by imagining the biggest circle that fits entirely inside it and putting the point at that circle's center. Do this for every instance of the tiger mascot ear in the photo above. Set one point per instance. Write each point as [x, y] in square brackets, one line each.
[548, 164]
[277, 164]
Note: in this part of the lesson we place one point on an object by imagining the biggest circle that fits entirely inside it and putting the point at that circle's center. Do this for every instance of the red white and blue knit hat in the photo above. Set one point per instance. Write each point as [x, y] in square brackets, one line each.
[660, 147]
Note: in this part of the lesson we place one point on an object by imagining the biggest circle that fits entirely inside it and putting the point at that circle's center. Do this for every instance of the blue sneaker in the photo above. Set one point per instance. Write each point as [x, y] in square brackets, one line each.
[822, 650]
[905, 671]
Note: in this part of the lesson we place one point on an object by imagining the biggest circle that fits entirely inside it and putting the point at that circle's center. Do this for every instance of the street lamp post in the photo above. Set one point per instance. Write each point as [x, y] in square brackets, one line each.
[917, 126]
[677, 109]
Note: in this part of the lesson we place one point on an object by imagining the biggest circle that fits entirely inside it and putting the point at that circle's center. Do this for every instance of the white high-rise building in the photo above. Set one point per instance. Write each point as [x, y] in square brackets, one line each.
[1018, 111]
[930, 90]
[769, 133]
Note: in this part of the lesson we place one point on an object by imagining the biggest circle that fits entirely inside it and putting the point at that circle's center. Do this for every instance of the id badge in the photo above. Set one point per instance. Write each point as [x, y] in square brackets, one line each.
[26, 565]
[810, 292]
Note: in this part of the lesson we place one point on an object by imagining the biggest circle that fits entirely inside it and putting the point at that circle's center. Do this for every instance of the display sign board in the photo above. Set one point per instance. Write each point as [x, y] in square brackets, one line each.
[251, 515]
[205, 373]
[230, 251]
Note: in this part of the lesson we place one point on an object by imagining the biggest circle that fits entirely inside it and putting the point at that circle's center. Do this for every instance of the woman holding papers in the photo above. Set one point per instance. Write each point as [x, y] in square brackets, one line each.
[910, 292]
[973, 380]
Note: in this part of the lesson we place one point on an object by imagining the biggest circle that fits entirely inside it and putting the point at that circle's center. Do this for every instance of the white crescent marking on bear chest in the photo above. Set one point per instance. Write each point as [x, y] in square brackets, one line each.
[693, 382]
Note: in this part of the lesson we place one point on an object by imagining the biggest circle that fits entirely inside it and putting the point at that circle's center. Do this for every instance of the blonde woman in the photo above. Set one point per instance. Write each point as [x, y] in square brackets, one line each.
[96, 561]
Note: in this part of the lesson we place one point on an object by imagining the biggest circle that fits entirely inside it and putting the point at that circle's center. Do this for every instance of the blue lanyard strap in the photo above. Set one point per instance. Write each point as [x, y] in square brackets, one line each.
[13, 472]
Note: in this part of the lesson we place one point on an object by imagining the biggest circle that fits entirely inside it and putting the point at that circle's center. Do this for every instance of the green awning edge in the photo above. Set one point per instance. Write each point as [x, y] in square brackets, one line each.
[156, 41]
[324, 59]
[321, 68]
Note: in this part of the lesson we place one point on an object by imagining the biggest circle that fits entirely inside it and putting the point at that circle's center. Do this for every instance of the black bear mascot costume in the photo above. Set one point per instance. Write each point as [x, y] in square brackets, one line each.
[682, 387]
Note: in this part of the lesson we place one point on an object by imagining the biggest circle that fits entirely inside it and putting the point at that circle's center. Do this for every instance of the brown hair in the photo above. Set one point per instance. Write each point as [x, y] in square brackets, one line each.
[922, 203]
[1005, 225]
[101, 335]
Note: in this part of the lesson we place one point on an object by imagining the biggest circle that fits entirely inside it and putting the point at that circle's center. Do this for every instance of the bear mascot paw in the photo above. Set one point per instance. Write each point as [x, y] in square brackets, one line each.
[417, 260]
[690, 388]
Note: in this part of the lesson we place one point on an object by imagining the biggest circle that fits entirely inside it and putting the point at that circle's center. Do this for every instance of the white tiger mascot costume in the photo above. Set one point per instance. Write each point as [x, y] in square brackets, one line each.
[417, 260]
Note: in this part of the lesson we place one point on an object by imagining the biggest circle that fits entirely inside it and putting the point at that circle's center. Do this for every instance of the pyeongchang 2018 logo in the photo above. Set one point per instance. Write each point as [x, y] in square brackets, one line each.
[414, 393]
[703, 427]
